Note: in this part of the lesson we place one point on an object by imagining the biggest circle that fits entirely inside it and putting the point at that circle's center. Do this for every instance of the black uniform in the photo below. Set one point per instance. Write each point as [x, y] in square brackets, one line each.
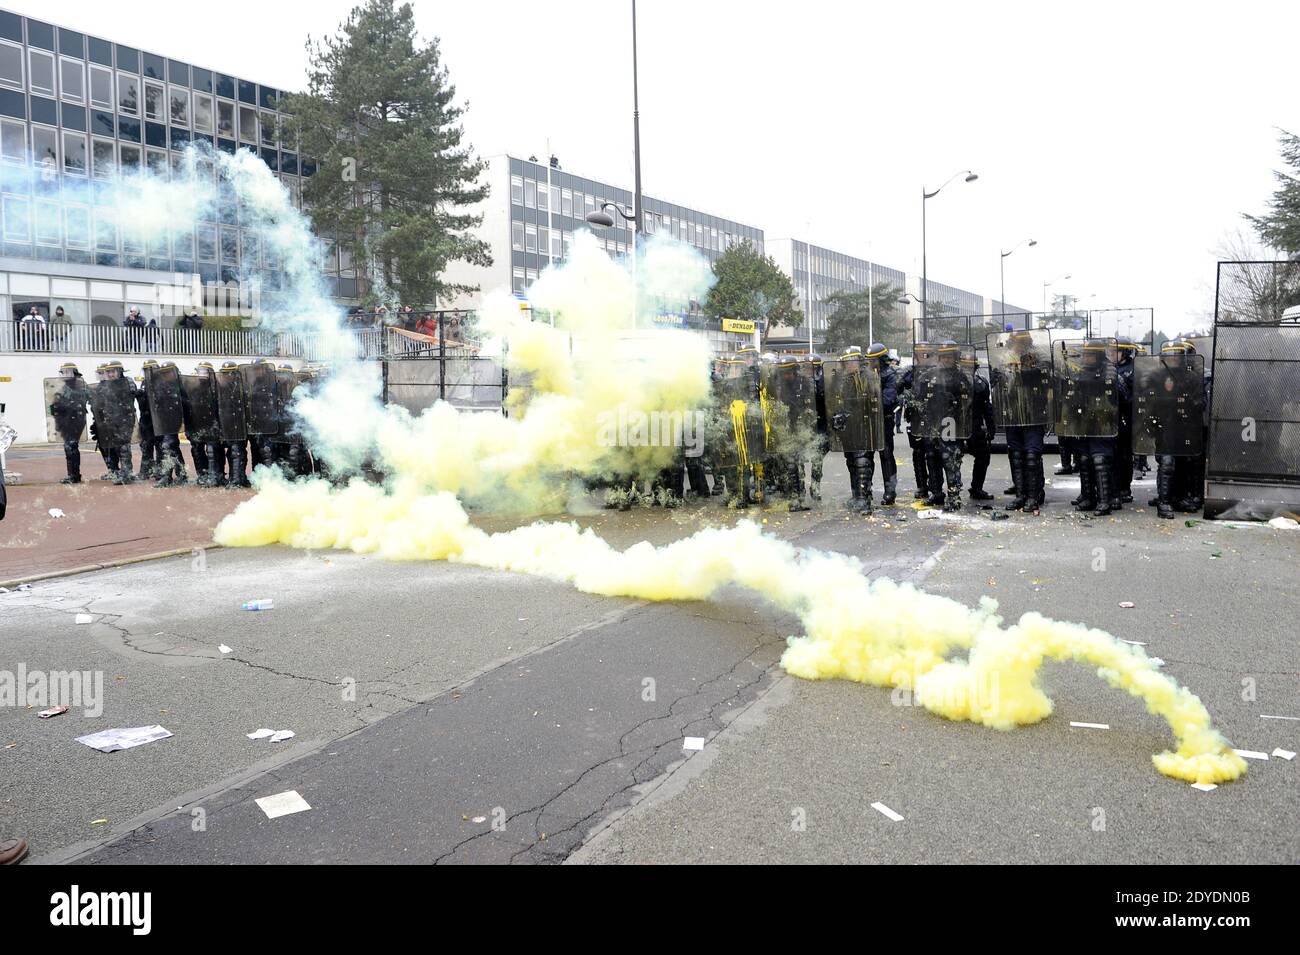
[983, 429]
[914, 440]
[150, 451]
[69, 411]
[889, 404]
[1123, 461]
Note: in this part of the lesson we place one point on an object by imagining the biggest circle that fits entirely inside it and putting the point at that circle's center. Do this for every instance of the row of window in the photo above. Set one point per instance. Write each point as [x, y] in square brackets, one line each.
[86, 227]
[75, 46]
[101, 158]
[555, 243]
[532, 194]
[172, 104]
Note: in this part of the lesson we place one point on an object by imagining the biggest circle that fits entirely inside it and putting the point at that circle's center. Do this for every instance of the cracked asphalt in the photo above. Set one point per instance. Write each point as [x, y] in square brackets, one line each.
[450, 714]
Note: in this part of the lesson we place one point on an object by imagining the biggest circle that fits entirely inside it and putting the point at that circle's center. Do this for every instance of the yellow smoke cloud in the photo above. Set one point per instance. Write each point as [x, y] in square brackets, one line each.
[876, 632]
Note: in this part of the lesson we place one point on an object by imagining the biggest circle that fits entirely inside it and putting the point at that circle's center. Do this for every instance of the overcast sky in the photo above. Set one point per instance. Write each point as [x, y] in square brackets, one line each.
[1126, 138]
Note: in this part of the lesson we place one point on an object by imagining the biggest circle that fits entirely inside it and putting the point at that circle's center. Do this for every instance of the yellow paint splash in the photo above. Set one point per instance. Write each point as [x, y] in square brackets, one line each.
[877, 632]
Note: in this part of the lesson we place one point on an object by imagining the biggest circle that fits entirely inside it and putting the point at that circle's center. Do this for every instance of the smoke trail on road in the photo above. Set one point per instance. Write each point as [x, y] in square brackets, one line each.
[876, 632]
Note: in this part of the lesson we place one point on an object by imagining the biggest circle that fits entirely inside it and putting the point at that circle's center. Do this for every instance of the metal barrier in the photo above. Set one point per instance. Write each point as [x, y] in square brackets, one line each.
[1253, 454]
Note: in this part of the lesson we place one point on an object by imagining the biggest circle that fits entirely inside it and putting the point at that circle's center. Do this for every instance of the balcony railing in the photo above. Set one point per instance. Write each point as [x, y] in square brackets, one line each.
[251, 343]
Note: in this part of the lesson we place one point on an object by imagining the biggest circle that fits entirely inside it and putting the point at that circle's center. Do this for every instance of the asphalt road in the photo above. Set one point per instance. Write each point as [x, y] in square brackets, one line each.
[503, 718]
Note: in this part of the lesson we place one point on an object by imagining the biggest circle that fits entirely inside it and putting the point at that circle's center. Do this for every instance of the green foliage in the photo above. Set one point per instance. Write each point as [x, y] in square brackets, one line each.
[856, 312]
[751, 286]
[393, 176]
[1279, 228]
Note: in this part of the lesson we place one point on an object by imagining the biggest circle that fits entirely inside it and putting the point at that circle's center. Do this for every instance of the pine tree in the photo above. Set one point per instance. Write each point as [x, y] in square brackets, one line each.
[1279, 228]
[393, 175]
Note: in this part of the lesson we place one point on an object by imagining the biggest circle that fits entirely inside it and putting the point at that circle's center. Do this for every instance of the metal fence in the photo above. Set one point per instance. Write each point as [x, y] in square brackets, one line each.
[1253, 456]
[465, 380]
[1135, 323]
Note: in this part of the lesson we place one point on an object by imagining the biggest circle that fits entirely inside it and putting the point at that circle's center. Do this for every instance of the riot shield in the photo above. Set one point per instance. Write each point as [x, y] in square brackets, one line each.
[199, 408]
[260, 398]
[230, 405]
[55, 428]
[114, 408]
[738, 435]
[786, 399]
[1085, 389]
[1168, 404]
[853, 405]
[285, 383]
[163, 386]
[943, 388]
[1020, 373]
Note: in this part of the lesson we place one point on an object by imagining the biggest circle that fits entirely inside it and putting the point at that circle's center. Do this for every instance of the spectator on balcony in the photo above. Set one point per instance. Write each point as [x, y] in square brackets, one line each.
[193, 322]
[60, 330]
[33, 331]
[152, 335]
[134, 326]
[381, 316]
[427, 325]
[408, 318]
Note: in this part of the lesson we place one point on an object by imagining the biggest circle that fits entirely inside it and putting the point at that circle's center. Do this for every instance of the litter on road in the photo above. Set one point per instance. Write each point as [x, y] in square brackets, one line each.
[1091, 726]
[1205, 787]
[260, 734]
[281, 735]
[52, 711]
[56, 512]
[264, 604]
[1127, 604]
[282, 804]
[885, 811]
[693, 743]
[1250, 754]
[224, 649]
[110, 741]
[85, 618]
[1281, 753]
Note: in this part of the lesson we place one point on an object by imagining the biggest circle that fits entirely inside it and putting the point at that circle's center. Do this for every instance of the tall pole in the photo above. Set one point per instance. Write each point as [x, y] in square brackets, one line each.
[925, 275]
[636, 129]
[871, 322]
[636, 162]
[1002, 273]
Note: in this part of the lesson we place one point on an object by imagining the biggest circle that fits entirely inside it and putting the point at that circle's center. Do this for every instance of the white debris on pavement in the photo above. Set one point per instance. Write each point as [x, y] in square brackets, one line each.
[885, 811]
[1205, 787]
[279, 736]
[110, 741]
[1091, 726]
[693, 743]
[85, 618]
[282, 804]
[56, 512]
[1281, 753]
[260, 734]
[1250, 754]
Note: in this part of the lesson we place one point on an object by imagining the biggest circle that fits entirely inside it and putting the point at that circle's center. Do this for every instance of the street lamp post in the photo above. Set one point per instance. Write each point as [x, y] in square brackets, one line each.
[925, 275]
[1046, 285]
[1002, 270]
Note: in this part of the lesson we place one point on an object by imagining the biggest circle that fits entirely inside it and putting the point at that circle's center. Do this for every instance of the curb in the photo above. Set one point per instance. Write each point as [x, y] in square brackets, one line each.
[106, 565]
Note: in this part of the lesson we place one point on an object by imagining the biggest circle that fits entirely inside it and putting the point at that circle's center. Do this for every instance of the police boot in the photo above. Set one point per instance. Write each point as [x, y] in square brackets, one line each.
[867, 475]
[891, 490]
[979, 470]
[815, 489]
[1020, 486]
[73, 459]
[1105, 490]
[854, 503]
[1164, 491]
[796, 487]
[237, 476]
[1087, 499]
[1032, 468]
[920, 468]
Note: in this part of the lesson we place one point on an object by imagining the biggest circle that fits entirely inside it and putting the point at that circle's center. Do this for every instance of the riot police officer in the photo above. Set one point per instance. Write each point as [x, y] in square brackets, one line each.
[914, 439]
[945, 406]
[888, 405]
[983, 430]
[150, 456]
[1097, 451]
[1122, 356]
[69, 412]
[166, 409]
[812, 369]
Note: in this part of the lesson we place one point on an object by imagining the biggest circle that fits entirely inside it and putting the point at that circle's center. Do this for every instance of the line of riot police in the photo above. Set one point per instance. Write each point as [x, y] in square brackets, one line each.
[775, 418]
[236, 418]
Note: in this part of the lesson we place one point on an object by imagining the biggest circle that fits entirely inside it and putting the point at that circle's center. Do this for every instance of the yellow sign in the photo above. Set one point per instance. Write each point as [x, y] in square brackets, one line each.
[5, 378]
[737, 325]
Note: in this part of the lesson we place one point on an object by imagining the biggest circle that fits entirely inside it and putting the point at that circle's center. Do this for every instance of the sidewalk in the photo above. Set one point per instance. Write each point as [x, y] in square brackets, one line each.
[103, 523]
